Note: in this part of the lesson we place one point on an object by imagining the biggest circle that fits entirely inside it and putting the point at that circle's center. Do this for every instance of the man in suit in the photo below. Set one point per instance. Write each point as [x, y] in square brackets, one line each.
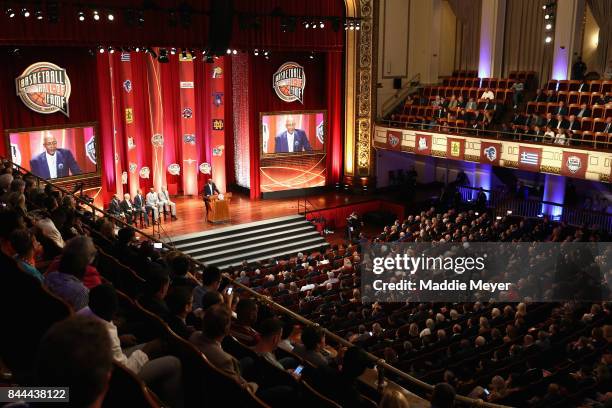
[140, 207]
[164, 201]
[537, 134]
[561, 123]
[460, 102]
[550, 121]
[115, 206]
[54, 162]
[210, 188]
[215, 326]
[471, 105]
[584, 87]
[292, 139]
[608, 126]
[153, 204]
[561, 110]
[573, 124]
[540, 96]
[550, 96]
[127, 208]
[584, 112]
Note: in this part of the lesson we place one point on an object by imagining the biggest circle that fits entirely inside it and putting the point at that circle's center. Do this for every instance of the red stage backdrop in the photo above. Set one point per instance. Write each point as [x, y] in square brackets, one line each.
[321, 92]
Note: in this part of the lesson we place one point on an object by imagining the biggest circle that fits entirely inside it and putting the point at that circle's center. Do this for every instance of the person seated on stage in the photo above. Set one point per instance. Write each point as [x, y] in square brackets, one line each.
[153, 204]
[114, 208]
[127, 208]
[164, 201]
[140, 207]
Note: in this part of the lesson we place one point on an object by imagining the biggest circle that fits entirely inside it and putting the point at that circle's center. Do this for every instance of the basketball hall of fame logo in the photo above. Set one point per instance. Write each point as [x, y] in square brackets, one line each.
[44, 87]
[289, 82]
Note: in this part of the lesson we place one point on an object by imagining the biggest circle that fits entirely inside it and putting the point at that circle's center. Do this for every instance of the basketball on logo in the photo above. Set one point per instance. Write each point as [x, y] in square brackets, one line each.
[289, 82]
[44, 87]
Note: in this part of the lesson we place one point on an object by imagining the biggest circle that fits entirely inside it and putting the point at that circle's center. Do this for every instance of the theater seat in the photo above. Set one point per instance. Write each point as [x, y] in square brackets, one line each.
[124, 386]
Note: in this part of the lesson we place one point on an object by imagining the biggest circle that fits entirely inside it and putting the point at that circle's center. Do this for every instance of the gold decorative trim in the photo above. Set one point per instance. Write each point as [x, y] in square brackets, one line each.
[604, 177]
[366, 96]
[409, 149]
[437, 153]
[472, 158]
[550, 169]
[511, 163]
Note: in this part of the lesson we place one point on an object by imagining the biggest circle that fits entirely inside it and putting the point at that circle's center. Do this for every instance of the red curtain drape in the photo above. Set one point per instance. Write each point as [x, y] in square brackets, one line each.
[335, 115]
[105, 128]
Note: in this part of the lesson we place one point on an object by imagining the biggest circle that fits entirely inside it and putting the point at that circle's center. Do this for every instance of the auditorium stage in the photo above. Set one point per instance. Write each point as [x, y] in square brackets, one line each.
[191, 213]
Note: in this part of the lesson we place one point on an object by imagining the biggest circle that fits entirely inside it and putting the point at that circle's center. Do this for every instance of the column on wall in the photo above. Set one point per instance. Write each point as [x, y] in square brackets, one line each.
[567, 42]
[492, 19]
[554, 191]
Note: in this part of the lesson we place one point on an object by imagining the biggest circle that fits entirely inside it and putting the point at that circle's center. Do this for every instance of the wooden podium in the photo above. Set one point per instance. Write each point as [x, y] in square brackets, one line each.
[218, 210]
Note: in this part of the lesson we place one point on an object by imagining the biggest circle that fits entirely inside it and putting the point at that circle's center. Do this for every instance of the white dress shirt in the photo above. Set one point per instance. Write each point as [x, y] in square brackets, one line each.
[135, 361]
[290, 137]
[52, 163]
[488, 95]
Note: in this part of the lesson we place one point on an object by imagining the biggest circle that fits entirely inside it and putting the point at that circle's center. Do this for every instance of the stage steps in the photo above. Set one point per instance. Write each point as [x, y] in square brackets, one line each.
[255, 241]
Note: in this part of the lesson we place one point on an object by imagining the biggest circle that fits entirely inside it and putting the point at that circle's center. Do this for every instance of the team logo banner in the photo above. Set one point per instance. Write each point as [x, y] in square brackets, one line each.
[44, 87]
[490, 153]
[529, 158]
[289, 82]
[422, 144]
[574, 164]
[455, 148]
[394, 139]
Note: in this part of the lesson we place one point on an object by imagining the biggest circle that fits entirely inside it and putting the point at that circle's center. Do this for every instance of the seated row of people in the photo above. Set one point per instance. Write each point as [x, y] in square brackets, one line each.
[154, 204]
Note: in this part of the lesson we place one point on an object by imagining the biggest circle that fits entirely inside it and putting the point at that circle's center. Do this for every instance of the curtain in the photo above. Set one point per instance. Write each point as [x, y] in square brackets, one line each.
[335, 114]
[467, 45]
[524, 46]
[602, 12]
[105, 128]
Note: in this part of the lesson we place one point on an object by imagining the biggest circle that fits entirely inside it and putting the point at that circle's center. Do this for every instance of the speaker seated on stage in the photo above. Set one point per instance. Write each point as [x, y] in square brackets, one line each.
[164, 200]
[153, 204]
[127, 208]
[210, 189]
[114, 208]
[140, 207]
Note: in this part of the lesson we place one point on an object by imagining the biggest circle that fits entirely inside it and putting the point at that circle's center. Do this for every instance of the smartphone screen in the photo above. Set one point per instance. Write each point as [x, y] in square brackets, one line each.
[157, 245]
[229, 290]
[298, 370]
[486, 391]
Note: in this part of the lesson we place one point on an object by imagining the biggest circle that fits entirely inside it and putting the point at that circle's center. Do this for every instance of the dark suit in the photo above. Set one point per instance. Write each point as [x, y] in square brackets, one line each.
[564, 124]
[210, 189]
[300, 142]
[114, 207]
[551, 123]
[139, 208]
[584, 88]
[127, 208]
[66, 165]
[575, 125]
[560, 111]
[584, 113]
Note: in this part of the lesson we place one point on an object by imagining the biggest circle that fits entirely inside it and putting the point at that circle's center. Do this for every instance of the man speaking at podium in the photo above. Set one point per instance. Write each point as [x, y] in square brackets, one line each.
[209, 189]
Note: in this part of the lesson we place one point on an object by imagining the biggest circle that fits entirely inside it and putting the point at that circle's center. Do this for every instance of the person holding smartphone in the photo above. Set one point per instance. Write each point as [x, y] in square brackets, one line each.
[271, 332]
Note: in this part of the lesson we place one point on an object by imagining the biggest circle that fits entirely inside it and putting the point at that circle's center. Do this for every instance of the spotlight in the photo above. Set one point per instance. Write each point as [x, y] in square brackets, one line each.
[111, 50]
[547, 16]
[548, 26]
[110, 17]
[256, 52]
[235, 52]
[509, 212]
[266, 53]
[311, 56]
[544, 7]
[81, 16]
[96, 16]
[321, 24]
[548, 39]
[357, 25]
[101, 50]
[25, 12]
[137, 49]
[228, 52]
[498, 217]
[314, 25]
[10, 12]
[172, 51]
[306, 24]
[184, 54]
[39, 15]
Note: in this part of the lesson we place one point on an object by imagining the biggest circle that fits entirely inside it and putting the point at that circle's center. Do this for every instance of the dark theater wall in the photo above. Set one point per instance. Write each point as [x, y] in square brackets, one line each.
[80, 68]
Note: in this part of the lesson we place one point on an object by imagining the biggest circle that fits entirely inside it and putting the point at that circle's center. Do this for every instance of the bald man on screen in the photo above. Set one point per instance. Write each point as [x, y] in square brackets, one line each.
[54, 162]
[292, 139]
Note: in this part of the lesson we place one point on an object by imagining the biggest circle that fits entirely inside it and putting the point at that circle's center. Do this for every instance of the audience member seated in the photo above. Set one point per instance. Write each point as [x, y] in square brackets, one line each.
[242, 327]
[180, 304]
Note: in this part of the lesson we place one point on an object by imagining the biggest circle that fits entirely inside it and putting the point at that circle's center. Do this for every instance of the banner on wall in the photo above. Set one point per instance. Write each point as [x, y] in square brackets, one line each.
[44, 88]
[574, 164]
[289, 82]
[529, 158]
[490, 153]
[455, 148]
[394, 139]
[422, 144]
[217, 124]
[188, 128]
